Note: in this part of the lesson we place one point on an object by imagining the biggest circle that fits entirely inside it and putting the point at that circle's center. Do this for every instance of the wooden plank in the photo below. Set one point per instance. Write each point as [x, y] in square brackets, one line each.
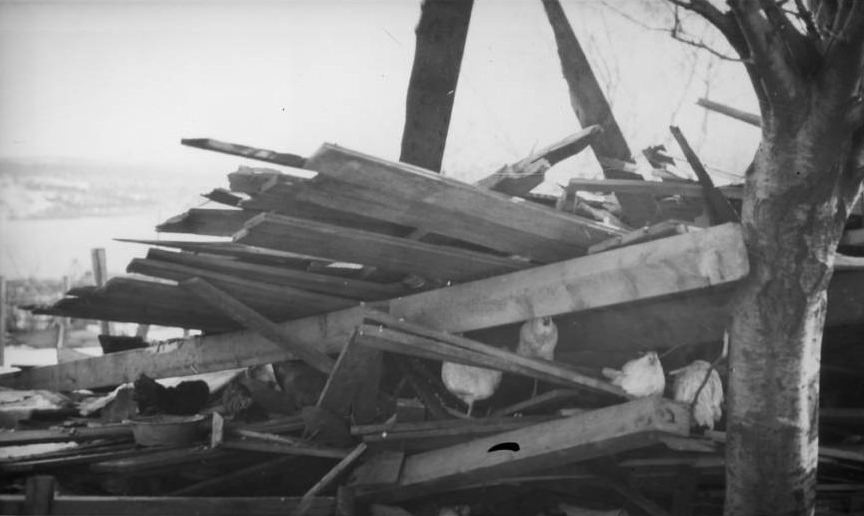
[523, 176]
[339, 469]
[614, 429]
[169, 505]
[234, 149]
[251, 319]
[274, 448]
[636, 273]
[660, 230]
[352, 388]
[434, 76]
[223, 196]
[333, 285]
[553, 396]
[591, 107]
[355, 246]
[252, 180]
[239, 251]
[652, 188]
[210, 222]
[383, 468]
[719, 208]
[459, 210]
[673, 266]
[749, 118]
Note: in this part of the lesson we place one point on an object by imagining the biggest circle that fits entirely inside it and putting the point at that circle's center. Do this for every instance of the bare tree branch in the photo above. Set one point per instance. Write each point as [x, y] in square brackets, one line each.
[801, 51]
[783, 85]
[807, 17]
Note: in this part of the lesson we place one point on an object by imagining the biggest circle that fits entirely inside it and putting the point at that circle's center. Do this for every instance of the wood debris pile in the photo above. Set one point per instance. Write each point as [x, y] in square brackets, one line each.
[325, 321]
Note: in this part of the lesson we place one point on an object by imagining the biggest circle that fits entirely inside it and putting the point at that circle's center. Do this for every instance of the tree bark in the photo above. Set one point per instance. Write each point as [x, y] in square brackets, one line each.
[793, 215]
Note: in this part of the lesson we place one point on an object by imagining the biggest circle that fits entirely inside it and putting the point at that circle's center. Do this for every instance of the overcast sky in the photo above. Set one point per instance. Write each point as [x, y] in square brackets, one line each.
[124, 81]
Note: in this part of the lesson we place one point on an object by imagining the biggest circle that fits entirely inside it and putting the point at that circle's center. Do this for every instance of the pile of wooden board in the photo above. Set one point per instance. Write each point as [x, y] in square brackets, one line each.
[369, 275]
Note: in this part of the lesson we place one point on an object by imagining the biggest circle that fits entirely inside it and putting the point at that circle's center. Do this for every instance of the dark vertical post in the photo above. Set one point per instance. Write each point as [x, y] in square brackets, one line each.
[441, 36]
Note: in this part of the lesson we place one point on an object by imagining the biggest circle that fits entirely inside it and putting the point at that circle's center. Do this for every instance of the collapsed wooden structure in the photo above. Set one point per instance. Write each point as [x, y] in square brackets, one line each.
[372, 273]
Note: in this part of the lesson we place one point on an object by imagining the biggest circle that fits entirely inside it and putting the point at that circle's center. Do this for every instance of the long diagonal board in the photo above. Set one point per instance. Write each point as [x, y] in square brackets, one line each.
[636, 424]
[657, 269]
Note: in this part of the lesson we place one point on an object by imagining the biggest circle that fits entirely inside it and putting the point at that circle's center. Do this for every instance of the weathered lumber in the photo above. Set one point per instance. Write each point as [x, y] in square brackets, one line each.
[325, 284]
[591, 107]
[276, 448]
[646, 234]
[614, 429]
[669, 266]
[456, 209]
[278, 158]
[520, 178]
[258, 323]
[252, 180]
[339, 469]
[210, 222]
[223, 196]
[352, 388]
[169, 506]
[719, 209]
[234, 250]
[749, 118]
[672, 266]
[652, 188]
[356, 246]
[441, 35]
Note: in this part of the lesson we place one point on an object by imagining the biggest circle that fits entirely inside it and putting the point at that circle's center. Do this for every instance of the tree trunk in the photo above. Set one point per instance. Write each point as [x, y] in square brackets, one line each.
[792, 221]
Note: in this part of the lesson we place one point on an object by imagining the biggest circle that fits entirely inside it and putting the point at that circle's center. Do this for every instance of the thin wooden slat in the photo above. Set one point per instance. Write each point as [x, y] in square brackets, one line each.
[22, 437]
[460, 210]
[652, 188]
[719, 208]
[210, 222]
[233, 250]
[252, 180]
[395, 254]
[223, 196]
[339, 469]
[169, 506]
[748, 118]
[468, 352]
[634, 275]
[660, 230]
[628, 426]
[343, 287]
[252, 320]
[274, 448]
[278, 158]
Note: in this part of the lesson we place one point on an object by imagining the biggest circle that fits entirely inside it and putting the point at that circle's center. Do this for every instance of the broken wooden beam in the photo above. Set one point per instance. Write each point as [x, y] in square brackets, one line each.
[256, 322]
[632, 425]
[269, 156]
[670, 267]
[646, 234]
[202, 221]
[719, 208]
[591, 107]
[520, 178]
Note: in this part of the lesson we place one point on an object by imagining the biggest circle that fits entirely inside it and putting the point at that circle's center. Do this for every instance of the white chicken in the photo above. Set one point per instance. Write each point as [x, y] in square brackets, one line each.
[641, 377]
[709, 406]
[470, 384]
[538, 338]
